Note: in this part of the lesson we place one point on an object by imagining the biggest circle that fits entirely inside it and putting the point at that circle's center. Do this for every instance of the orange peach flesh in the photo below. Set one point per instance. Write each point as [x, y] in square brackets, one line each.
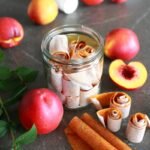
[12, 41]
[129, 76]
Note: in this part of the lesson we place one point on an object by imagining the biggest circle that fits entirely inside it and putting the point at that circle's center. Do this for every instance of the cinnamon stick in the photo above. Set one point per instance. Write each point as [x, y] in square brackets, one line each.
[86, 133]
[75, 141]
[105, 133]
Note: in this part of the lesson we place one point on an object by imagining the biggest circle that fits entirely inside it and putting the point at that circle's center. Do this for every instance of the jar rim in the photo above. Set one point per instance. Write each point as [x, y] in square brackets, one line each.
[72, 29]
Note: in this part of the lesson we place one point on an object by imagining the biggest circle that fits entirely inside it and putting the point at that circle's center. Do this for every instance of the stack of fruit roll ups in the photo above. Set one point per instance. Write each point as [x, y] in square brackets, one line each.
[87, 133]
[110, 118]
[74, 87]
[136, 127]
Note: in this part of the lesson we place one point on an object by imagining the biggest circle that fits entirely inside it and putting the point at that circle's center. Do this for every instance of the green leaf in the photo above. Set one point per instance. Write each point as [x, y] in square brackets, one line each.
[26, 138]
[17, 94]
[1, 111]
[16, 147]
[26, 74]
[3, 127]
[9, 84]
[5, 73]
[1, 55]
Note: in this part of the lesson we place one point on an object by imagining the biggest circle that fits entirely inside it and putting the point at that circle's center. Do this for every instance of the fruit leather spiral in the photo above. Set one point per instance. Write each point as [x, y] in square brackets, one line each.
[136, 127]
[121, 101]
[110, 118]
[59, 46]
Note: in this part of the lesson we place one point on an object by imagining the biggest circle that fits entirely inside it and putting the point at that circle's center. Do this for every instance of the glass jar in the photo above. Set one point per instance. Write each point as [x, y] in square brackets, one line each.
[75, 80]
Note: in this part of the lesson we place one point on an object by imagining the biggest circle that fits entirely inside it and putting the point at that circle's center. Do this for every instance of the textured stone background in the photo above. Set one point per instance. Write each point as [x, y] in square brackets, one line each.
[135, 14]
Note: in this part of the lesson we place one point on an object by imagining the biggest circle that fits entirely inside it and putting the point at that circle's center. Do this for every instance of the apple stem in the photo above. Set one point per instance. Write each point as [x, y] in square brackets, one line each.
[9, 120]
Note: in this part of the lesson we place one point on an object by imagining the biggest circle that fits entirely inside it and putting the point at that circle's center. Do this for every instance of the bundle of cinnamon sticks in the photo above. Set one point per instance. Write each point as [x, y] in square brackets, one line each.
[85, 133]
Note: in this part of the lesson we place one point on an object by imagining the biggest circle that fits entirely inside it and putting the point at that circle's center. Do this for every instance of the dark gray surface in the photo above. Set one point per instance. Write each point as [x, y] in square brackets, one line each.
[135, 14]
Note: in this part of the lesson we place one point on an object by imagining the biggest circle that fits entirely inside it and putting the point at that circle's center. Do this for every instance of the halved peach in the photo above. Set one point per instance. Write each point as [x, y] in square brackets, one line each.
[128, 76]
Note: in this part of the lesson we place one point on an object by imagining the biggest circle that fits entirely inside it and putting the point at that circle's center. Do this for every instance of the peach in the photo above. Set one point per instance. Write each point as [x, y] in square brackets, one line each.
[128, 76]
[11, 32]
[121, 43]
[119, 1]
[92, 2]
[42, 11]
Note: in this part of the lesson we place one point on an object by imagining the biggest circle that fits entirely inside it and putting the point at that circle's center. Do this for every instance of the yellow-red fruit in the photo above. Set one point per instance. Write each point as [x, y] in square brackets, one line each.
[121, 43]
[128, 76]
[11, 32]
[42, 11]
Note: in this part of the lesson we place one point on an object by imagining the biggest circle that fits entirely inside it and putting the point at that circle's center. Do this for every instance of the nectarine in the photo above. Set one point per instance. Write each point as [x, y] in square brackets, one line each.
[119, 1]
[11, 32]
[41, 107]
[42, 11]
[92, 2]
[128, 76]
[121, 43]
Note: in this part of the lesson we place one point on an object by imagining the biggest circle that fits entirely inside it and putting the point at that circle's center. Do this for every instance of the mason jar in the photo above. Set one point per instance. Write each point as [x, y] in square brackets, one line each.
[73, 61]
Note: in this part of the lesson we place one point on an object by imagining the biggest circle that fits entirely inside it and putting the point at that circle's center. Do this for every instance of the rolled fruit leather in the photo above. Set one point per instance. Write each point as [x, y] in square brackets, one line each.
[101, 100]
[122, 101]
[84, 95]
[59, 46]
[136, 127]
[56, 79]
[110, 118]
[72, 102]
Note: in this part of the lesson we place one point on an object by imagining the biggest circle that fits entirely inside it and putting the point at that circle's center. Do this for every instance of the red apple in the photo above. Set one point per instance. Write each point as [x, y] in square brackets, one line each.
[119, 1]
[92, 2]
[43, 108]
[121, 43]
[11, 32]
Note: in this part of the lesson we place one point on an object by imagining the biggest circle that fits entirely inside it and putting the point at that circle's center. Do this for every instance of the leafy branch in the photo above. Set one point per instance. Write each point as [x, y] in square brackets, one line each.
[14, 83]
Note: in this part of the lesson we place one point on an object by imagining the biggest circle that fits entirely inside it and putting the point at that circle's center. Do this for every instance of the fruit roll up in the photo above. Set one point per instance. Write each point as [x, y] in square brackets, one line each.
[58, 46]
[72, 102]
[93, 139]
[84, 95]
[105, 133]
[62, 97]
[56, 79]
[110, 118]
[75, 141]
[121, 101]
[70, 88]
[136, 128]
[82, 79]
[93, 73]
[101, 100]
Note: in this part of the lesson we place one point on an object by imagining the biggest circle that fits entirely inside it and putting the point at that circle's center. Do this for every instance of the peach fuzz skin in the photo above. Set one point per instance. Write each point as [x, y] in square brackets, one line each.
[11, 32]
[119, 1]
[121, 43]
[128, 76]
[42, 12]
